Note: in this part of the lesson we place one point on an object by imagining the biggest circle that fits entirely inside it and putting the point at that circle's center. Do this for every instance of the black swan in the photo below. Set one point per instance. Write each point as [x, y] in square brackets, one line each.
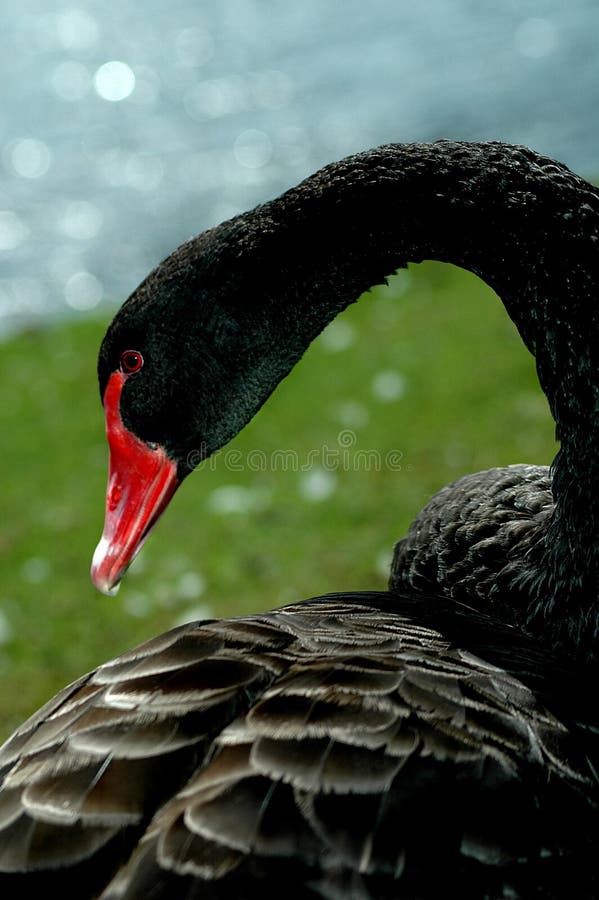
[436, 739]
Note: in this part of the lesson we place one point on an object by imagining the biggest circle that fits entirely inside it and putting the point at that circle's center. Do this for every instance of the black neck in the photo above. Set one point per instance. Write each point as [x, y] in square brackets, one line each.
[525, 224]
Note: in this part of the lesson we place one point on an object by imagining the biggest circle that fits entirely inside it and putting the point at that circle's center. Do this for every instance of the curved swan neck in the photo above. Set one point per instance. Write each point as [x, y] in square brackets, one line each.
[516, 219]
[526, 225]
[253, 292]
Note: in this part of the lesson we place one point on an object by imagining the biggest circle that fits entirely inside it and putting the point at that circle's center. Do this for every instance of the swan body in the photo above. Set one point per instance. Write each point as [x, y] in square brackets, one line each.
[353, 744]
[437, 738]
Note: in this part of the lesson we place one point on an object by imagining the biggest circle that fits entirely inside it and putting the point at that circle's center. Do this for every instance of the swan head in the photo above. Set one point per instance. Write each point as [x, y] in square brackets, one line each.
[187, 361]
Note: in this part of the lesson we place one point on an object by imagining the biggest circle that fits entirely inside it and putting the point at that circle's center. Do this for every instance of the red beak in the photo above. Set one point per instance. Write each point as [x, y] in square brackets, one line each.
[141, 481]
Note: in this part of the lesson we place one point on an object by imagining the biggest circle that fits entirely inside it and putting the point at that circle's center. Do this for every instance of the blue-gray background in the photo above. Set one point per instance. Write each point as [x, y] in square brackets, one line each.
[126, 127]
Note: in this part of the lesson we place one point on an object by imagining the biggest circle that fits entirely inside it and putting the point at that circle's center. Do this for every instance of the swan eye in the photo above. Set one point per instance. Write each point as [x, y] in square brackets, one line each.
[131, 361]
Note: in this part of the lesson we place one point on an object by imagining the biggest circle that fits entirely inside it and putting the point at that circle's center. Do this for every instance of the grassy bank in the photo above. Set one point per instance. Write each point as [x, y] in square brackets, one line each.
[415, 385]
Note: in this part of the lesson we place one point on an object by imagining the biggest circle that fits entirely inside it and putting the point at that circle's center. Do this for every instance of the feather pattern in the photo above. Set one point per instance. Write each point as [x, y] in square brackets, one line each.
[474, 539]
[346, 739]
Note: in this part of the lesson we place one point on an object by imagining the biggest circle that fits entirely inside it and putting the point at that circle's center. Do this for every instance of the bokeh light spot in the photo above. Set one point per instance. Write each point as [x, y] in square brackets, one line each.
[70, 81]
[114, 81]
[388, 386]
[317, 485]
[30, 158]
[81, 220]
[83, 291]
[77, 29]
[252, 149]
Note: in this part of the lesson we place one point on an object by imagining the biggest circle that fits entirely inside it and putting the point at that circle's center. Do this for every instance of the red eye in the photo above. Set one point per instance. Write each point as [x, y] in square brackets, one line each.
[131, 361]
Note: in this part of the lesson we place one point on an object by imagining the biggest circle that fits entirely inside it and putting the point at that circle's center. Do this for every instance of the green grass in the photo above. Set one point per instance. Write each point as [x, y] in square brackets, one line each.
[470, 401]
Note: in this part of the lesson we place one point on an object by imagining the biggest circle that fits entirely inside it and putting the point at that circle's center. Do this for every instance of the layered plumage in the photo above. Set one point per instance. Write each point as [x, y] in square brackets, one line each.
[356, 744]
[476, 539]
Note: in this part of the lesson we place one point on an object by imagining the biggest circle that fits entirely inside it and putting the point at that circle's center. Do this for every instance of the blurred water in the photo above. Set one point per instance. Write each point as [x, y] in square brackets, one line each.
[125, 128]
